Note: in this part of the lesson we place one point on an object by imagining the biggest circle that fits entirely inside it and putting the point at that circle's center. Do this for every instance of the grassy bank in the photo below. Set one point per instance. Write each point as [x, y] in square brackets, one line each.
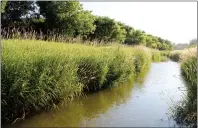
[37, 75]
[181, 55]
[186, 113]
[164, 55]
[174, 55]
[159, 56]
[156, 56]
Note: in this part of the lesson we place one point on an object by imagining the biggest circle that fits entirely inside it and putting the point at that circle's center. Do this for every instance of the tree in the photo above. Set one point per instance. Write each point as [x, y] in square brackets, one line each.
[119, 33]
[148, 40]
[67, 16]
[129, 30]
[164, 46]
[107, 30]
[85, 22]
[136, 37]
[14, 11]
[169, 45]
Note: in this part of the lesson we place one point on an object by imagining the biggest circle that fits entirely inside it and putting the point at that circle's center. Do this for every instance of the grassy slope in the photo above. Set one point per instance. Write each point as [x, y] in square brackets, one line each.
[37, 75]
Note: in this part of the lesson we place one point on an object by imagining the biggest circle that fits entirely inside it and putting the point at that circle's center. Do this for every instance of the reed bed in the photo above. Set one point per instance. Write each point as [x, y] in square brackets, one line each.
[186, 113]
[174, 55]
[37, 75]
[164, 58]
[156, 56]
[188, 53]
[165, 53]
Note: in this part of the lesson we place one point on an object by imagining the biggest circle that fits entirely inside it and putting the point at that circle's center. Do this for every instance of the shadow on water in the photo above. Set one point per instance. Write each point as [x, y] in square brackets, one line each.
[136, 104]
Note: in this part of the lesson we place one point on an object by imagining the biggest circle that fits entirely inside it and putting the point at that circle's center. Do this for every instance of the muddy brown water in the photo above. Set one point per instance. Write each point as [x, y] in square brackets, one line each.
[144, 103]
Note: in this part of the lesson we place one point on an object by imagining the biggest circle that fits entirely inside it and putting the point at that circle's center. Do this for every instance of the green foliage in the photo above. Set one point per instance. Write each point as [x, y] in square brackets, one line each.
[14, 11]
[37, 75]
[175, 55]
[128, 30]
[68, 16]
[135, 38]
[164, 58]
[92, 72]
[3, 5]
[120, 68]
[186, 113]
[69, 19]
[107, 30]
[119, 33]
[189, 71]
[165, 53]
[142, 60]
[156, 56]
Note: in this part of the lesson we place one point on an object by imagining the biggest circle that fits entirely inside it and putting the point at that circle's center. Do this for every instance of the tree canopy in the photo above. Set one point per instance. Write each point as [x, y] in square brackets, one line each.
[70, 19]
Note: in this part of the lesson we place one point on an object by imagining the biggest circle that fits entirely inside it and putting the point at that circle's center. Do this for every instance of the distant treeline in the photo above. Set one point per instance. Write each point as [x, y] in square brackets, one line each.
[69, 19]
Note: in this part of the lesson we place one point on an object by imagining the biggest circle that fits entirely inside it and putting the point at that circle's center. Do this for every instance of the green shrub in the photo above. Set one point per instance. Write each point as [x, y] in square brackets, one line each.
[156, 56]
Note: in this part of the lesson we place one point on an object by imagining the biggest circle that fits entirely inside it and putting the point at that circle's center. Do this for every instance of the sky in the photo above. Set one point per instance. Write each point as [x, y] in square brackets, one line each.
[175, 21]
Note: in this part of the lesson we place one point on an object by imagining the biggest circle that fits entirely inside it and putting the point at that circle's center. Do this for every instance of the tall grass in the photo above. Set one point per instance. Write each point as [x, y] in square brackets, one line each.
[186, 113]
[175, 55]
[188, 53]
[181, 55]
[156, 56]
[55, 35]
[165, 53]
[37, 75]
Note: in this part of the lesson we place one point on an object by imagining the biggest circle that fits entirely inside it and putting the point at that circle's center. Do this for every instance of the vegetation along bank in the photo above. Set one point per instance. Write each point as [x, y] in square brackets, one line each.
[186, 113]
[39, 75]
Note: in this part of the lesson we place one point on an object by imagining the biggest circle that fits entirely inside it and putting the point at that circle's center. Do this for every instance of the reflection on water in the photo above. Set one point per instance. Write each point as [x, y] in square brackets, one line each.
[131, 104]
